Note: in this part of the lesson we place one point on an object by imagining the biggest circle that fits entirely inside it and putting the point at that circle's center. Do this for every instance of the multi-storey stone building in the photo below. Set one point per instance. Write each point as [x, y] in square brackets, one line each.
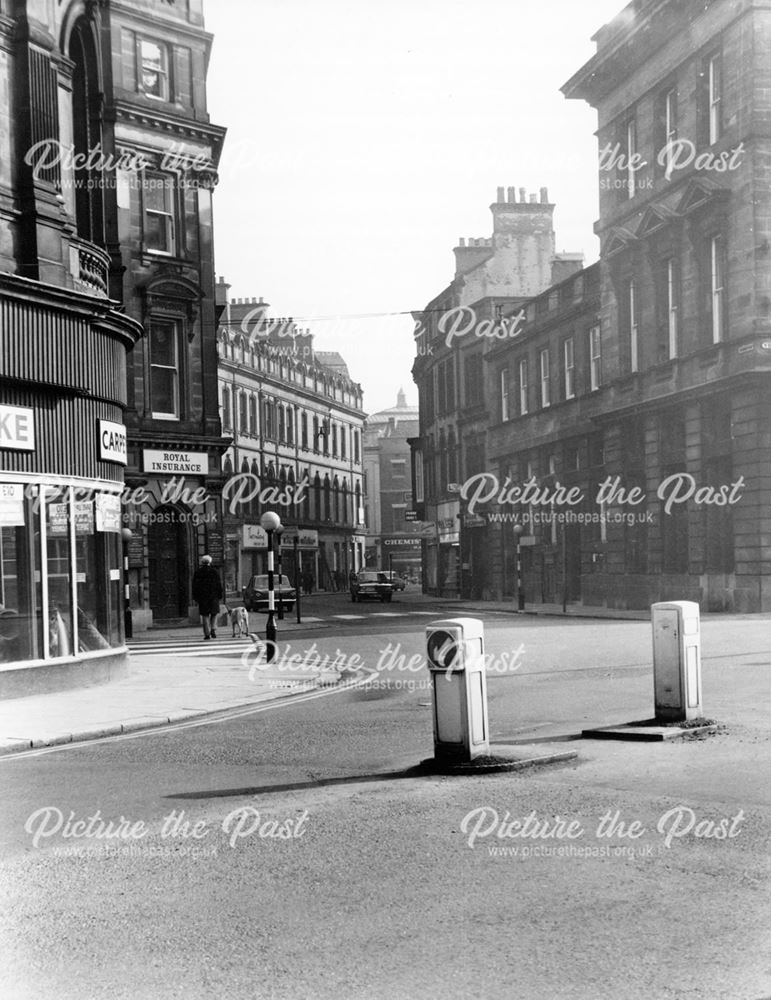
[494, 278]
[295, 419]
[393, 536]
[685, 221]
[634, 401]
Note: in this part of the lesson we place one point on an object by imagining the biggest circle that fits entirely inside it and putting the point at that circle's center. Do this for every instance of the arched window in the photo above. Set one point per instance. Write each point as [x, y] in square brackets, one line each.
[357, 512]
[336, 501]
[281, 424]
[243, 426]
[253, 415]
[343, 435]
[87, 131]
[228, 469]
[316, 434]
[304, 430]
[345, 500]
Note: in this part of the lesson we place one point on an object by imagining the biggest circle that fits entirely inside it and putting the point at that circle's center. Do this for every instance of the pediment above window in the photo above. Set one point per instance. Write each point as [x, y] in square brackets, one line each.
[701, 192]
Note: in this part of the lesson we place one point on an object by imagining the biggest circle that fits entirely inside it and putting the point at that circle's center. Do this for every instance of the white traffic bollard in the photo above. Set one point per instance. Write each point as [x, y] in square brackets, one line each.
[455, 655]
[676, 660]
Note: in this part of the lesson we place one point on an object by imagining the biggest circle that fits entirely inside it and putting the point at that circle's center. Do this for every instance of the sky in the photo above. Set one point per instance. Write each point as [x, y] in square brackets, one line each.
[366, 136]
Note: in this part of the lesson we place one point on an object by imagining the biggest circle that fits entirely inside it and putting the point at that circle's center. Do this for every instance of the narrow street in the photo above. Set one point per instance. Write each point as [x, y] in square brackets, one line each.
[268, 844]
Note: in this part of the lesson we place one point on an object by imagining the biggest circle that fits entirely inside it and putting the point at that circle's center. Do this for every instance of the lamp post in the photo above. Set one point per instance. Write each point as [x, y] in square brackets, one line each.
[518, 529]
[279, 533]
[128, 625]
[270, 521]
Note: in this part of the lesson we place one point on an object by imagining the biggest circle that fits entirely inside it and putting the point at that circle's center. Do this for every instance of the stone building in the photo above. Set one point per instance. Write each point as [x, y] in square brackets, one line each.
[295, 419]
[64, 340]
[494, 278]
[392, 530]
[685, 221]
[628, 421]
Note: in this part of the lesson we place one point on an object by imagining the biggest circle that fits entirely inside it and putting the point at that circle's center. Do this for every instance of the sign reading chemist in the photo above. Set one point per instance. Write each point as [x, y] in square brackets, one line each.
[17, 428]
[112, 442]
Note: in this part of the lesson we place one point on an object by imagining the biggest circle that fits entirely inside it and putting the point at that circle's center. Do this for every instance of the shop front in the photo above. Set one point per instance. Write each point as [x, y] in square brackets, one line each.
[62, 460]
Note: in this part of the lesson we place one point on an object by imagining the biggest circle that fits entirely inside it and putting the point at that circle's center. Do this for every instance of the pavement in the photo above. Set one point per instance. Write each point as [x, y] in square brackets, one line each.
[176, 676]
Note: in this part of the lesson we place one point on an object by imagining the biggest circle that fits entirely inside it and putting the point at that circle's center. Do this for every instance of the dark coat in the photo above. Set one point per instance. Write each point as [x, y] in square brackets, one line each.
[207, 590]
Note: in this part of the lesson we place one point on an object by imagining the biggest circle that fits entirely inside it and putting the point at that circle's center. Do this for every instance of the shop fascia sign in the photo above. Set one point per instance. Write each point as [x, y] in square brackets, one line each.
[194, 463]
[255, 537]
[17, 428]
[112, 442]
[11, 505]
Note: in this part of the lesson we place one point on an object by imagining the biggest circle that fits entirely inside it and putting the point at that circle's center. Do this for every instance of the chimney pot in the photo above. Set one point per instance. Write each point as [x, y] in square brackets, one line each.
[462, 241]
[512, 195]
[544, 196]
[522, 195]
[500, 195]
[533, 199]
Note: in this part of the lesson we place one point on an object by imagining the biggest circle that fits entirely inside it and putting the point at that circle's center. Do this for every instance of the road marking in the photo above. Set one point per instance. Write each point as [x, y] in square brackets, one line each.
[348, 618]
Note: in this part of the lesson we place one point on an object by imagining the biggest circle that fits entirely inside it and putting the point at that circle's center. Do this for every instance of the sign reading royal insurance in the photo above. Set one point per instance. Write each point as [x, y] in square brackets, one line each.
[17, 428]
[112, 442]
[193, 463]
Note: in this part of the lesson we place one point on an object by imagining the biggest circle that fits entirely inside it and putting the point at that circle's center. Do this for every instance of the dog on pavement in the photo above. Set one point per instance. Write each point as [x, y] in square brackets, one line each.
[239, 619]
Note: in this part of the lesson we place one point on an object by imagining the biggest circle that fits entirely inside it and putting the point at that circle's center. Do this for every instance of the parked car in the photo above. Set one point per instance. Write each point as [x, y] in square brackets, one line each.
[255, 593]
[371, 584]
[399, 583]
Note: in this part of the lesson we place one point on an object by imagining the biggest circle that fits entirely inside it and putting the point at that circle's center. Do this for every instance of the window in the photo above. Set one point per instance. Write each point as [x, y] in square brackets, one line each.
[154, 69]
[242, 424]
[523, 386]
[290, 418]
[159, 195]
[343, 439]
[253, 415]
[629, 163]
[670, 126]
[418, 473]
[504, 376]
[673, 298]
[717, 286]
[715, 87]
[595, 359]
[570, 371]
[304, 430]
[632, 325]
[227, 419]
[398, 468]
[545, 377]
[164, 370]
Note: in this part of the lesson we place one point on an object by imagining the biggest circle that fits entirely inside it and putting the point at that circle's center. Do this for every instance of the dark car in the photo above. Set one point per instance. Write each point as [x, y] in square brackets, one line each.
[256, 592]
[399, 583]
[369, 584]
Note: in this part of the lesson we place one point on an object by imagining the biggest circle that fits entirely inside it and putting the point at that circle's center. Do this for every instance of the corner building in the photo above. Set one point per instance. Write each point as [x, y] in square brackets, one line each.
[684, 107]
[64, 340]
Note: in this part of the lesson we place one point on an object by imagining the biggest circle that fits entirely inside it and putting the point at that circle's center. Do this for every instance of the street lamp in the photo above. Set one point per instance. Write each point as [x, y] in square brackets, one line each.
[128, 625]
[279, 533]
[270, 521]
[518, 529]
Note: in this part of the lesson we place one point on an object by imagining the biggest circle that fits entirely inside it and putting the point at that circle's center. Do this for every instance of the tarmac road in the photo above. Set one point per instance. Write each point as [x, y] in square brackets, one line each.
[351, 886]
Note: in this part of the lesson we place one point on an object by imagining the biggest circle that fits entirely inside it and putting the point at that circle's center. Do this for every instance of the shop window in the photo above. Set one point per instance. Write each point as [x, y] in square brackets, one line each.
[165, 370]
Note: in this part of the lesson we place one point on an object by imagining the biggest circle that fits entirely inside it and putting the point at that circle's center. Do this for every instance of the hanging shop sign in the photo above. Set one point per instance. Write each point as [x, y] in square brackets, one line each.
[112, 442]
[17, 428]
[11, 505]
[193, 463]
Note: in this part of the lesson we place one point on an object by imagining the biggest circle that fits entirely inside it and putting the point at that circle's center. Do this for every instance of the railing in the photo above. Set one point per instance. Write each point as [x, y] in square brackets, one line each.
[89, 267]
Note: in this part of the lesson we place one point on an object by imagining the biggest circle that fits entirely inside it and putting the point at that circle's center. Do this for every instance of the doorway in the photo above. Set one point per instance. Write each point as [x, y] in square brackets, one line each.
[168, 566]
